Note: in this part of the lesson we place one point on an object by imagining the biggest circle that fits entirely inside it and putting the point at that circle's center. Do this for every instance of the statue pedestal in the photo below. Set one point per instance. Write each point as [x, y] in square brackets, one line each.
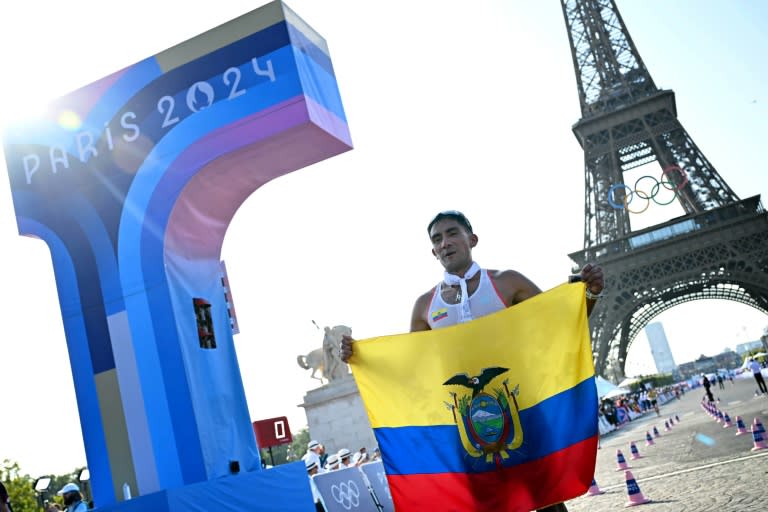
[336, 416]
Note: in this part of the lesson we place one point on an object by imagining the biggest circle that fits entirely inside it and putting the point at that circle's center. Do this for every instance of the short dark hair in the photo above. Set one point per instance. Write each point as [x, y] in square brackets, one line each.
[450, 214]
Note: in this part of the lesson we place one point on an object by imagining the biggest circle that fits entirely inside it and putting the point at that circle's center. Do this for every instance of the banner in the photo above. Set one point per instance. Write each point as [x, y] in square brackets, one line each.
[344, 490]
[498, 413]
[377, 479]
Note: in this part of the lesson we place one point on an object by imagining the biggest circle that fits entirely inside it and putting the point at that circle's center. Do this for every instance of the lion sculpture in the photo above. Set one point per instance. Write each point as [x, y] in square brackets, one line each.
[326, 359]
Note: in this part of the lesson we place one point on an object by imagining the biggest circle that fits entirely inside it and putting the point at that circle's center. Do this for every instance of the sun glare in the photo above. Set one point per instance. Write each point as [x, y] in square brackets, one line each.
[21, 105]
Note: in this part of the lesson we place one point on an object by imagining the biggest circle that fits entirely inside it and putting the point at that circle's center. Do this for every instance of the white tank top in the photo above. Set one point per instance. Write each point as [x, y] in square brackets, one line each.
[484, 301]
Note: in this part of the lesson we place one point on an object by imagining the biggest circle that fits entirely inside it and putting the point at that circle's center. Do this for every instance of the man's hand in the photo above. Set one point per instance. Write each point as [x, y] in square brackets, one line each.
[346, 348]
[592, 276]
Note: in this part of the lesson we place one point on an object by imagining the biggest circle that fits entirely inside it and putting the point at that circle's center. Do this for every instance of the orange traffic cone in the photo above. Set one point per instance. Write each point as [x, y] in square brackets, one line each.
[634, 495]
[666, 426]
[620, 461]
[648, 439]
[635, 453]
[594, 490]
[727, 421]
[677, 418]
[656, 432]
[741, 429]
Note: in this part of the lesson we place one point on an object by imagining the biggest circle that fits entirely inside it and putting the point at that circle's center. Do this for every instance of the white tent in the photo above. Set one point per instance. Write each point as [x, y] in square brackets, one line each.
[629, 381]
[603, 386]
[617, 392]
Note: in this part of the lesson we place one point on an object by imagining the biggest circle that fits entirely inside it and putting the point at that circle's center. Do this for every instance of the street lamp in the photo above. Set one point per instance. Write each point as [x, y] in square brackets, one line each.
[41, 486]
[84, 477]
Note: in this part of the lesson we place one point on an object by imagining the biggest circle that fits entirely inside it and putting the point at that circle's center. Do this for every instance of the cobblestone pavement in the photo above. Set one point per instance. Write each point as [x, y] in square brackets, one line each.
[697, 466]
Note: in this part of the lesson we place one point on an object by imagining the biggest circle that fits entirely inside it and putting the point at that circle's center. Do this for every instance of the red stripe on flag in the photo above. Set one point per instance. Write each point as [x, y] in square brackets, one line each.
[558, 477]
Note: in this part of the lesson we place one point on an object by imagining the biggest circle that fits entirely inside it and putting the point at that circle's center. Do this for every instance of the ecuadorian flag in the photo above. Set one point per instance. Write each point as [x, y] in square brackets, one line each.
[496, 414]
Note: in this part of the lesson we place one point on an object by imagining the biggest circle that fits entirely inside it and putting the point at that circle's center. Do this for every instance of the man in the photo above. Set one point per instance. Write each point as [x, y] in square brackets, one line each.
[323, 456]
[313, 453]
[360, 457]
[758, 374]
[345, 458]
[333, 462]
[4, 505]
[468, 292]
[312, 470]
[73, 500]
[707, 385]
[653, 396]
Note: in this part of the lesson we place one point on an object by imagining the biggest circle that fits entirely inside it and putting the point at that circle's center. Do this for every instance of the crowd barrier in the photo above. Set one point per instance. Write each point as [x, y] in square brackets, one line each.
[362, 489]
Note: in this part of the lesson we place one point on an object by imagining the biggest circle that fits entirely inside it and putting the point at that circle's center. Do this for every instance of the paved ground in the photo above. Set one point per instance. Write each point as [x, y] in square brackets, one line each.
[697, 466]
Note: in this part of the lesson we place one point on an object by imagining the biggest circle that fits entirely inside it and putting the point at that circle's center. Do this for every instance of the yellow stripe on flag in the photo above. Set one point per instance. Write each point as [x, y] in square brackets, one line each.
[543, 341]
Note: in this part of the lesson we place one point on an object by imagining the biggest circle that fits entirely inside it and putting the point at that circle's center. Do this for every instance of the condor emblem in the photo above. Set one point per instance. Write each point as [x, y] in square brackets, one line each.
[488, 424]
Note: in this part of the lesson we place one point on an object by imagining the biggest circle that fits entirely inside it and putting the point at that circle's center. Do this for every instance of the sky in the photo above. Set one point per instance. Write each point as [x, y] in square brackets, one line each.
[451, 105]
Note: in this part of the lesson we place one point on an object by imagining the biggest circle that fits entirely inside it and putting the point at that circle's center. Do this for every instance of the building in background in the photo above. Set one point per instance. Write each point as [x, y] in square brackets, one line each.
[728, 359]
[662, 356]
[743, 348]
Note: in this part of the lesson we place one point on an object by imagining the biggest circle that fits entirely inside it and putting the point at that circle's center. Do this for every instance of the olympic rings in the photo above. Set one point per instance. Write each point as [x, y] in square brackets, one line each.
[665, 182]
[346, 494]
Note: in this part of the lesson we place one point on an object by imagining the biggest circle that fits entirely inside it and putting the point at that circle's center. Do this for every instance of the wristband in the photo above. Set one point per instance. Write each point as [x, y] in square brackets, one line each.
[593, 296]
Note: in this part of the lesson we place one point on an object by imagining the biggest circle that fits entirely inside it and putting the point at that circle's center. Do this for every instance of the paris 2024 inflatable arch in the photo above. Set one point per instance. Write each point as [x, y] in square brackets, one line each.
[132, 181]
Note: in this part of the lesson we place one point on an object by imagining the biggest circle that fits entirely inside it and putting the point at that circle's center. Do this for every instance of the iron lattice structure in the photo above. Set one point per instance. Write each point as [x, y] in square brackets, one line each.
[718, 249]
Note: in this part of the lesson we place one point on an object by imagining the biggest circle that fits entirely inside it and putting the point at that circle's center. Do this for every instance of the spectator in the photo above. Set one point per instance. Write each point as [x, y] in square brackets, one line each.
[323, 455]
[345, 457]
[312, 470]
[313, 453]
[73, 500]
[332, 464]
[758, 374]
[707, 385]
[5, 506]
[360, 457]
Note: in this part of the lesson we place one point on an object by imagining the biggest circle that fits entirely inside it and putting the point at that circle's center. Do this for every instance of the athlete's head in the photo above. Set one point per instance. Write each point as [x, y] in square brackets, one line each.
[452, 240]
[450, 214]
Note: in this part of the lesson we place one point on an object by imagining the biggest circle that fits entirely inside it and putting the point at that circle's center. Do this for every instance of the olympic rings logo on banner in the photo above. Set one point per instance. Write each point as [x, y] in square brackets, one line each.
[346, 494]
[665, 183]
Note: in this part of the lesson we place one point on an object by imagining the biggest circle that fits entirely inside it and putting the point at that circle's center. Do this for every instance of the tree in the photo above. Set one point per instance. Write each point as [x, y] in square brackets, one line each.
[284, 453]
[299, 445]
[279, 455]
[19, 486]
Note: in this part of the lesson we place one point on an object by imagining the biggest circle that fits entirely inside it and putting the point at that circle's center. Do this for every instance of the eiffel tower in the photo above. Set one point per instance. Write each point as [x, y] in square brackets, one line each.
[717, 250]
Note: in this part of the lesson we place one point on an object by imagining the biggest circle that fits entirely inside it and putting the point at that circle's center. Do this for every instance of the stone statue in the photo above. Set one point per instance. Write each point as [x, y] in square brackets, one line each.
[326, 360]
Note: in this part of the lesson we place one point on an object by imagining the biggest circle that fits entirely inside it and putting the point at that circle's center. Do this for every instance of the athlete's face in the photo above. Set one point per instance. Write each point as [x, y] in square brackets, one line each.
[452, 244]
